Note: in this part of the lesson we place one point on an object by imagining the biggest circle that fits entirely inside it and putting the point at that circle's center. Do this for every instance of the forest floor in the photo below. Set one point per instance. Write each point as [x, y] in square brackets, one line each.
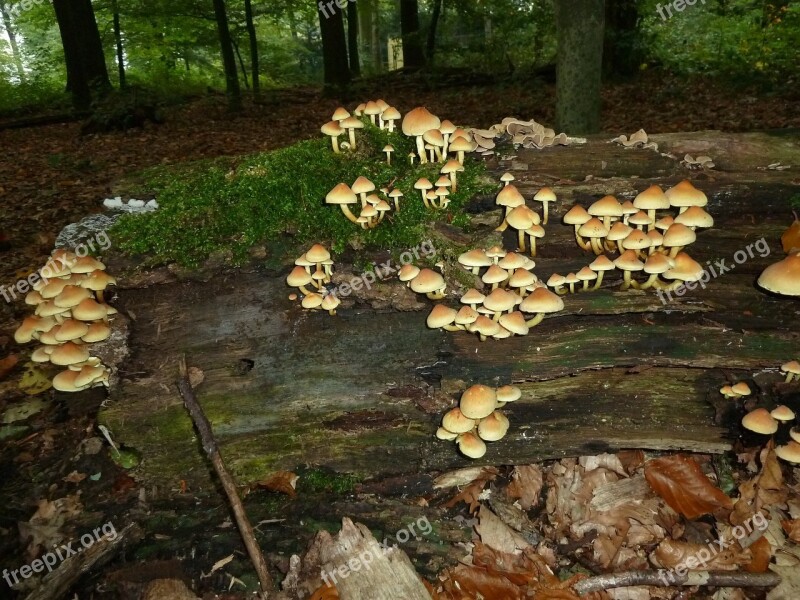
[51, 176]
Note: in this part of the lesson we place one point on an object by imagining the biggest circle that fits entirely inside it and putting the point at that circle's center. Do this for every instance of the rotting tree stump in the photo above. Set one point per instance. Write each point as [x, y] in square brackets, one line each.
[363, 392]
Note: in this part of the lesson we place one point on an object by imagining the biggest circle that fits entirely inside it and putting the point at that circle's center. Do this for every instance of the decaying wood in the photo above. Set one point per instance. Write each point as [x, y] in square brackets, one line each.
[363, 392]
[57, 583]
[212, 451]
[363, 569]
[672, 579]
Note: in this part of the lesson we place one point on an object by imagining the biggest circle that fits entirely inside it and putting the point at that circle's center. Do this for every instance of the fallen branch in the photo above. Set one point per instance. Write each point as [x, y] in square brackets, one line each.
[665, 578]
[212, 450]
[57, 583]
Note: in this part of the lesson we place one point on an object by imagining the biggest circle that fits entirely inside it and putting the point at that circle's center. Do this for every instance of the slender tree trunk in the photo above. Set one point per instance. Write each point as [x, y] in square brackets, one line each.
[228, 59]
[251, 34]
[621, 54]
[413, 56]
[118, 40]
[435, 15]
[579, 64]
[87, 75]
[369, 32]
[352, 39]
[12, 40]
[241, 64]
[334, 47]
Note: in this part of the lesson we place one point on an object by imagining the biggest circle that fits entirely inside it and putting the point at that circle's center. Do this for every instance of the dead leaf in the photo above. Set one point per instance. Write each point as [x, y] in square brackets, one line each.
[761, 551]
[790, 240]
[526, 485]
[684, 487]
[8, 363]
[74, 477]
[672, 553]
[196, 377]
[283, 482]
[497, 535]
[471, 492]
[792, 529]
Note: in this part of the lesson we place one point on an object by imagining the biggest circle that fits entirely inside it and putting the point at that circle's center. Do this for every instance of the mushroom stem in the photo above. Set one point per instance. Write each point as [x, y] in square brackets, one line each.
[533, 246]
[571, 288]
[503, 226]
[521, 239]
[305, 291]
[585, 287]
[583, 244]
[652, 214]
[348, 213]
[535, 320]
[335, 143]
[372, 119]
[100, 298]
[610, 247]
[453, 328]
[388, 158]
[461, 157]
[651, 281]
[437, 295]
[483, 337]
[423, 158]
[560, 290]
[425, 199]
[596, 248]
[789, 377]
[454, 181]
[599, 281]
[545, 214]
[352, 133]
[674, 251]
[626, 281]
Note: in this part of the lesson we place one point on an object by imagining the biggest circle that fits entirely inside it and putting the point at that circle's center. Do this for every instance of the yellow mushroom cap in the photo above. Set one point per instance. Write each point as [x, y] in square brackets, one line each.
[65, 381]
[695, 216]
[509, 196]
[685, 269]
[418, 121]
[782, 277]
[542, 300]
[792, 367]
[478, 401]
[741, 389]
[90, 310]
[760, 421]
[472, 296]
[475, 258]
[441, 316]
[71, 329]
[607, 206]
[494, 274]
[443, 434]
[653, 198]
[455, 421]
[341, 194]
[471, 445]
[576, 215]
[685, 194]
[71, 295]
[790, 452]
[87, 264]
[500, 300]
[69, 353]
[493, 428]
[427, 281]
[484, 326]
[97, 332]
[466, 316]
[508, 393]
[782, 413]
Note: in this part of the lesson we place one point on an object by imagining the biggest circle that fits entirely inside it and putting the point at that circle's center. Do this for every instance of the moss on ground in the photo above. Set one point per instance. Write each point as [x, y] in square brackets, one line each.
[228, 206]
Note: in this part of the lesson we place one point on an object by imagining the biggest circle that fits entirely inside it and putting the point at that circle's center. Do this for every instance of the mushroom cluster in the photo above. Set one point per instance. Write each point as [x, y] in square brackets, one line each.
[477, 420]
[645, 240]
[423, 281]
[519, 216]
[637, 140]
[342, 122]
[782, 277]
[766, 422]
[737, 390]
[436, 197]
[517, 300]
[363, 191]
[792, 370]
[436, 139]
[528, 134]
[70, 315]
[314, 268]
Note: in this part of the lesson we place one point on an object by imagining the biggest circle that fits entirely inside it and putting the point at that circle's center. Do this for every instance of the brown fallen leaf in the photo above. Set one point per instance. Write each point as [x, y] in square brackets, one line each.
[671, 554]
[469, 495]
[283, 482]
[196, 377]
[792, 529]
[526, 485]
[761, 551]
[790, 240]
[497, 535]
[325, 593]
[6, 364]
[74, 477]
[684, 487]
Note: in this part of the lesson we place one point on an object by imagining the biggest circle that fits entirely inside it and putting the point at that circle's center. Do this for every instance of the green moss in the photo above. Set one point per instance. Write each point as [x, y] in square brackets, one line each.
[229, 206]
[325, 480]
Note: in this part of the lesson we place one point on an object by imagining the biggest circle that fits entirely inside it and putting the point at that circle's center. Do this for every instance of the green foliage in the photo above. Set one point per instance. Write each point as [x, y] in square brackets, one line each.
[212, 207]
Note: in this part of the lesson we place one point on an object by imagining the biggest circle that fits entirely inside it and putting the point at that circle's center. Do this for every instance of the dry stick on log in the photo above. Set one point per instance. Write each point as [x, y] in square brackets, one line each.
[57, 583]
[212, 450]
[664, 578]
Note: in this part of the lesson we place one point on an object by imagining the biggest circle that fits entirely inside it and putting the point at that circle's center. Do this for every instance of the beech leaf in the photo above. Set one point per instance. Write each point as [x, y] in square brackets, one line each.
[684, 487]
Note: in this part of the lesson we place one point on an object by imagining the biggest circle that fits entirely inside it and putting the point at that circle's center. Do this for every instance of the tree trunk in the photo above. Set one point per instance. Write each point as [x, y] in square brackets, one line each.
[621, 55]
[334, 46]
[118, 40]
[369, 32]
[87, 76]
[413, 56]
[352, 39]
[228, 59]
[12, 40]
[241, 64]
[435, 15]
[251, 33]
[579, 65]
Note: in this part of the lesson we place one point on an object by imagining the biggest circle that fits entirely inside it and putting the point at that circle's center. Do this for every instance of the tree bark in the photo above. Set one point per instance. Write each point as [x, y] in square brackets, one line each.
[12, 40]
[241, 64]
[369, 32]
[580, 26]
[435, 15]
[87, 75]
[413, 57]
[620, 50]
[228, 59]
[251, 34]
[118, 40]
[334, 47]
[352, 39]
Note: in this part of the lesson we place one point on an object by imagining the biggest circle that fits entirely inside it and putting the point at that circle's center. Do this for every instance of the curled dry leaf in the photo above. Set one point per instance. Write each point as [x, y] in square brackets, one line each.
[283, 482]
[684, 487]
[8, 363]
[325, 593]
[526, 485]
[671, 554]
[471, 492]
[792, 529]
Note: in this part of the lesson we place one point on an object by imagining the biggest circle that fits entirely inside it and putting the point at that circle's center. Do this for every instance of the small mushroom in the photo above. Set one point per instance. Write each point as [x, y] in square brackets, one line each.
[343, 196]
[478, 402]
[790, 452]
[430, 283]
[760, 421]
[470, 445]
[782, 277]
[334, 130]
[388, 149]
[792, 370]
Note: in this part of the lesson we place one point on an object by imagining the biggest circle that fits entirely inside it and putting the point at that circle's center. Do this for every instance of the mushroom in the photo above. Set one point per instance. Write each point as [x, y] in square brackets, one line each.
[506, 394]
[362, 187]
[350, 124]
[478, 402]
[334, 130]
[782, 413]
[389, 116]
[423, 185]
[507, 178]
[71, 330]
[435, 138]
[577, 216]
[340, 114]
[694, 217]
[452, 168]
[493, 428]
[628, 209]
[607, 208]
[500, 301]
[494, 276]
[474, 260]
[466, 316]
[510, 198]
[460, 145]
[545, 196]
[600, 265]
[443, 434]
[372, 110]
[556, 282]
[651, 200]
[342, 195]
[416, 123]
[637, 240]
[442, 317]
[330, 302]
[69, 353]
[388, 149]
[395, 195]
[473, 298]
[522, 280]
[484, 327]
[97, 281]
[677, 237]
[97, 332]
[300, 278]
[540, 302]
[586, 275]
[522, 219]
[782, 277]
[628, 262]
[312, 301]
[640, 220]
[790, 452]
[514, 322]
[760, 421]
[595, 231]
[616, 235]
[685, 195]
[430, 283]
[454, 421]
[792, 370]
[686, 269]
[91, 310]
[470, 445]
[741, 389]
[655, 265]
[448, 129]
[407, 273]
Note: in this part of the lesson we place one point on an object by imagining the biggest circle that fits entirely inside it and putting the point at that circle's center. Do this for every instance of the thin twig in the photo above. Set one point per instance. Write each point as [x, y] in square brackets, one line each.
[667, 578]
[212, 450]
